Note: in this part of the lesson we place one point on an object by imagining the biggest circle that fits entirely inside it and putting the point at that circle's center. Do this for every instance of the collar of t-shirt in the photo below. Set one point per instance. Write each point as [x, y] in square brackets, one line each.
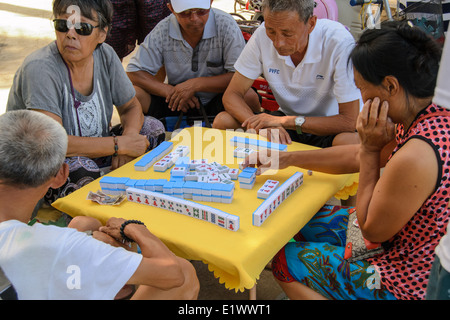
[208, 32]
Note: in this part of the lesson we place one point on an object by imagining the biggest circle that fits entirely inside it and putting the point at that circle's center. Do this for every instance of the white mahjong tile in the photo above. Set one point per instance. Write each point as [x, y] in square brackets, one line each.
[233, 173]
[224, 176]
[196, 212]
[263, 193]
[191, 176]
[160, 166]
[232, 222]
[178, 172]
[223, 169]
[238, 152]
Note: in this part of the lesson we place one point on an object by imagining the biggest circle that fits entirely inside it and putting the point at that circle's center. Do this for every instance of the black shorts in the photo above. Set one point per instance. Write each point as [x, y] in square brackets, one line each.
[159, 108]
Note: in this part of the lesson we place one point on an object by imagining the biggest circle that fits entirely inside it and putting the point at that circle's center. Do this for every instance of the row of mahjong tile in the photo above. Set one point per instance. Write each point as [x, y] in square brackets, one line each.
[212, 215]
[155, 154]
[197, 191]
[215, 216]
[257, 144]
[276, 198]
[185, 207]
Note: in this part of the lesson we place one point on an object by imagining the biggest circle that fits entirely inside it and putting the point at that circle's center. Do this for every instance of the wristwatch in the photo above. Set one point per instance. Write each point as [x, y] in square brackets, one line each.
[299, 121]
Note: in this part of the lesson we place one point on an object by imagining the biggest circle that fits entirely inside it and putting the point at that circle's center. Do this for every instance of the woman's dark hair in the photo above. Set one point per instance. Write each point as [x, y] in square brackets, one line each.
[401, 50]
[104, 10]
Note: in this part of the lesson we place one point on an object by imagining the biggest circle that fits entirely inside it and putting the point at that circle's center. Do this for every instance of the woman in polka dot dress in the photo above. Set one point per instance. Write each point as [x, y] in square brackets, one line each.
[404, 208]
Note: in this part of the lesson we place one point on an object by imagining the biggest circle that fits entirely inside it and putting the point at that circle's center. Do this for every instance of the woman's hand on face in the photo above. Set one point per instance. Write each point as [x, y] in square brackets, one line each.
[374, 126]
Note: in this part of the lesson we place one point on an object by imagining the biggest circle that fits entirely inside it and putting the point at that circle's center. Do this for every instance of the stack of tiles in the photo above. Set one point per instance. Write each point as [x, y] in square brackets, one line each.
[202, 171]
[276, 198]
[208, 192]
[197, 191]
[257, 144]
[152, 157]
[182, 151]
[113, 186]
[185, 207]
[247, 178]
[266, 190]
[171, 158]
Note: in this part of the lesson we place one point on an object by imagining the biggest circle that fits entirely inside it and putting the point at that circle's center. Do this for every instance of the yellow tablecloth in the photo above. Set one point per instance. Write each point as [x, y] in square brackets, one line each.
[236, 258]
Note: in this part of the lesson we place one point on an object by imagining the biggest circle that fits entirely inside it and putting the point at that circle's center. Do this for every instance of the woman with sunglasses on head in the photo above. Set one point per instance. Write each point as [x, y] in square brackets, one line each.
[404, 210]
[77, 80]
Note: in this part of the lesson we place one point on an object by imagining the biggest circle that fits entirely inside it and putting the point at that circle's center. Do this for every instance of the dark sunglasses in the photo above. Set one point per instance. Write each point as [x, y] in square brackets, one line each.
[83, 28]
[188, 13]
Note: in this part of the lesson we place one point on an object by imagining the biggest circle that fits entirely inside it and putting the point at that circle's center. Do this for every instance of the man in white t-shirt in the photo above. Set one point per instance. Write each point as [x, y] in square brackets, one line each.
[54, 263]
[305, 62]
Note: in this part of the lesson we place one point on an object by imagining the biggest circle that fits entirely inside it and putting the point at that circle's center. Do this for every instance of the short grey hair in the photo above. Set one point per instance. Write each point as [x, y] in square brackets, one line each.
[33, 148]
[304, 8]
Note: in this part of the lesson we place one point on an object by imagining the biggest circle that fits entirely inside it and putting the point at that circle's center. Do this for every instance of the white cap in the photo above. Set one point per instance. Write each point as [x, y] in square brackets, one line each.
[183, 5]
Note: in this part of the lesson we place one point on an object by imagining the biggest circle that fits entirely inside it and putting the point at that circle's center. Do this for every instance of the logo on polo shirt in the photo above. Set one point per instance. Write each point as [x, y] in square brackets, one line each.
[274, 71]
[320, 77]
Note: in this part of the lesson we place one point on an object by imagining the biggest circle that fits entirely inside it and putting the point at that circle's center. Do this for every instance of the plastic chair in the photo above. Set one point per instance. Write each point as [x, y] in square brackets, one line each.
[268, 101]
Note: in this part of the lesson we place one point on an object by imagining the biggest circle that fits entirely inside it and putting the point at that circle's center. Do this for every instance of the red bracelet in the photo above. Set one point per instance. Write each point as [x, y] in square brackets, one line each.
[116, 147]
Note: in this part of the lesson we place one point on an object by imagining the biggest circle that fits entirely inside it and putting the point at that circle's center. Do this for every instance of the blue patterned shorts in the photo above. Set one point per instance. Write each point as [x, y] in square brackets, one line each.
[317, 261]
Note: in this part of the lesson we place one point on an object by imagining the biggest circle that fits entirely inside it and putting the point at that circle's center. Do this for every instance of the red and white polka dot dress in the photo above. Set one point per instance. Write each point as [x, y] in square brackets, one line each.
[405, 267]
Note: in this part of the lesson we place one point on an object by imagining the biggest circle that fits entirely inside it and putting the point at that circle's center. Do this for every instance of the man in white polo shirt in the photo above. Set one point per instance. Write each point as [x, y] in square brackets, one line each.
[305, 62]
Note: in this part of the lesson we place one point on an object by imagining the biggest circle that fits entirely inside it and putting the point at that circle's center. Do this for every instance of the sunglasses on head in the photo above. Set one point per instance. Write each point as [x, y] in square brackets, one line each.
[82, 28]
[188, 13]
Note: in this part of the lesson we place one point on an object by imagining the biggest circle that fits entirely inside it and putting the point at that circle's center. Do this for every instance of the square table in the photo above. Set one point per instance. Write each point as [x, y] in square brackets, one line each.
[236, 258]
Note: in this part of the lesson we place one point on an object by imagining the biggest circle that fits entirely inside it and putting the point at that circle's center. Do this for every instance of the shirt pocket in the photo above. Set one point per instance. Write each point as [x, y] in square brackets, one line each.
[215, 67]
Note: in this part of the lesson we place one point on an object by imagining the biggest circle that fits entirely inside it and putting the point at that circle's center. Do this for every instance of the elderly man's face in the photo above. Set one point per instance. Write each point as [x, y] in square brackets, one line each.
[288, 33]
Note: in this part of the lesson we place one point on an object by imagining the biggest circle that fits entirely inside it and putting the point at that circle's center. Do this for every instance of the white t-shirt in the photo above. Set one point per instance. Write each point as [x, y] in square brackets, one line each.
[442, 98]
[323, 78]
[54, 263]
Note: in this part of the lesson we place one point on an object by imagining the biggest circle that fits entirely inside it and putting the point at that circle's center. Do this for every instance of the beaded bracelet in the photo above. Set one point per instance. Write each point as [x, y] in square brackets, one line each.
[116, 147]
[122, 228]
